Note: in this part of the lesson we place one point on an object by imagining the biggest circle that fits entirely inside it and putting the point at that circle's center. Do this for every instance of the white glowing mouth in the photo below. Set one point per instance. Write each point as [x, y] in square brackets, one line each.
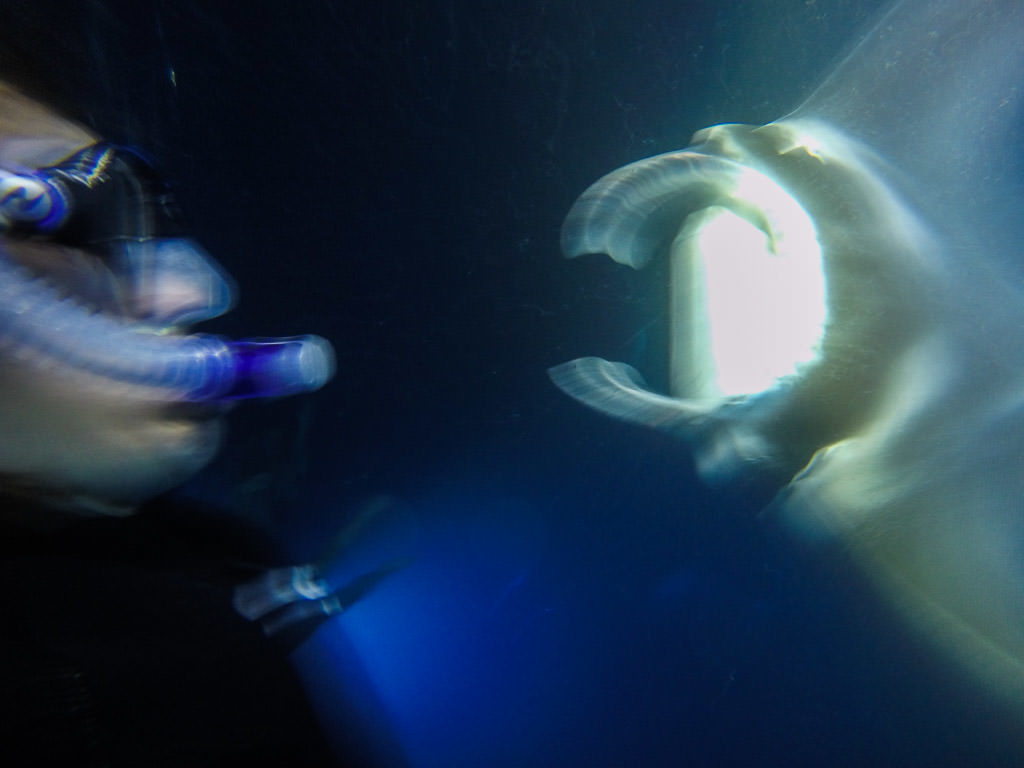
[748, 302]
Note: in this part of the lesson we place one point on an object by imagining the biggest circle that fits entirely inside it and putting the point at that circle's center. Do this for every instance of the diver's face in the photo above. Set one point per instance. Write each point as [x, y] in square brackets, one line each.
[80, 440]
[106, 398]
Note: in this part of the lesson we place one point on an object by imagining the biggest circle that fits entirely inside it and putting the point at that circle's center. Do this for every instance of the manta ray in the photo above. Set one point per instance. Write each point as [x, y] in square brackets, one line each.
[847, 317]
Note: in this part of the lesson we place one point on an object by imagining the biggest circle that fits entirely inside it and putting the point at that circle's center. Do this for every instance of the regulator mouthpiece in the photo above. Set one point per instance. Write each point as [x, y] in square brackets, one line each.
[276, 367]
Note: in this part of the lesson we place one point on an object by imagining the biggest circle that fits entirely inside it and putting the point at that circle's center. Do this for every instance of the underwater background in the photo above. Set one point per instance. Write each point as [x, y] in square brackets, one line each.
[393, 176]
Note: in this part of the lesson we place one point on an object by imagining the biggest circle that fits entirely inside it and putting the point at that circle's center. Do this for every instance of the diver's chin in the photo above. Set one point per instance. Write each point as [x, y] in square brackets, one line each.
[113, 476]
[118, 473]
[88, 445]
[150, 458]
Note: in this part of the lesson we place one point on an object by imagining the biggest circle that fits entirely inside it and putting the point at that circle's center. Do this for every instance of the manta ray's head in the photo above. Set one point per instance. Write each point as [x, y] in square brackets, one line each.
[788, 264]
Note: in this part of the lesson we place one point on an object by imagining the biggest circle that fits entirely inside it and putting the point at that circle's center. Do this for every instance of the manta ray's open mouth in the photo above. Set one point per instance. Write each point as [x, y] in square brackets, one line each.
[748, 300]
[750, 292]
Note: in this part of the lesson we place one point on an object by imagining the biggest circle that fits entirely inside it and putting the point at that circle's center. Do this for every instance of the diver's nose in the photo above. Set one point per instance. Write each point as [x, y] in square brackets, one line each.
[171, 282]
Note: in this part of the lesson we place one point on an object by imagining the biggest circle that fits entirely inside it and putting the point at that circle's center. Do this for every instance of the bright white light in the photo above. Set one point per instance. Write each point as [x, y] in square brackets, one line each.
[756, 300]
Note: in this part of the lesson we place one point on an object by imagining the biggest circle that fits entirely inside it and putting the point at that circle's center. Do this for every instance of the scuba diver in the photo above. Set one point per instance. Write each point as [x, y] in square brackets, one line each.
[133, 639]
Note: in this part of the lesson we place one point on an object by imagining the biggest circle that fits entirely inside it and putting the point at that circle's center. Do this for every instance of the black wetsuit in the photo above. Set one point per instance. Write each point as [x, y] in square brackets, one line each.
[119, 647]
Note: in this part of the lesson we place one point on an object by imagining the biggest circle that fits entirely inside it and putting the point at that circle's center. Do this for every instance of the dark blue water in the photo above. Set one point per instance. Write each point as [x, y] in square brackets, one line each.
[393, 176]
